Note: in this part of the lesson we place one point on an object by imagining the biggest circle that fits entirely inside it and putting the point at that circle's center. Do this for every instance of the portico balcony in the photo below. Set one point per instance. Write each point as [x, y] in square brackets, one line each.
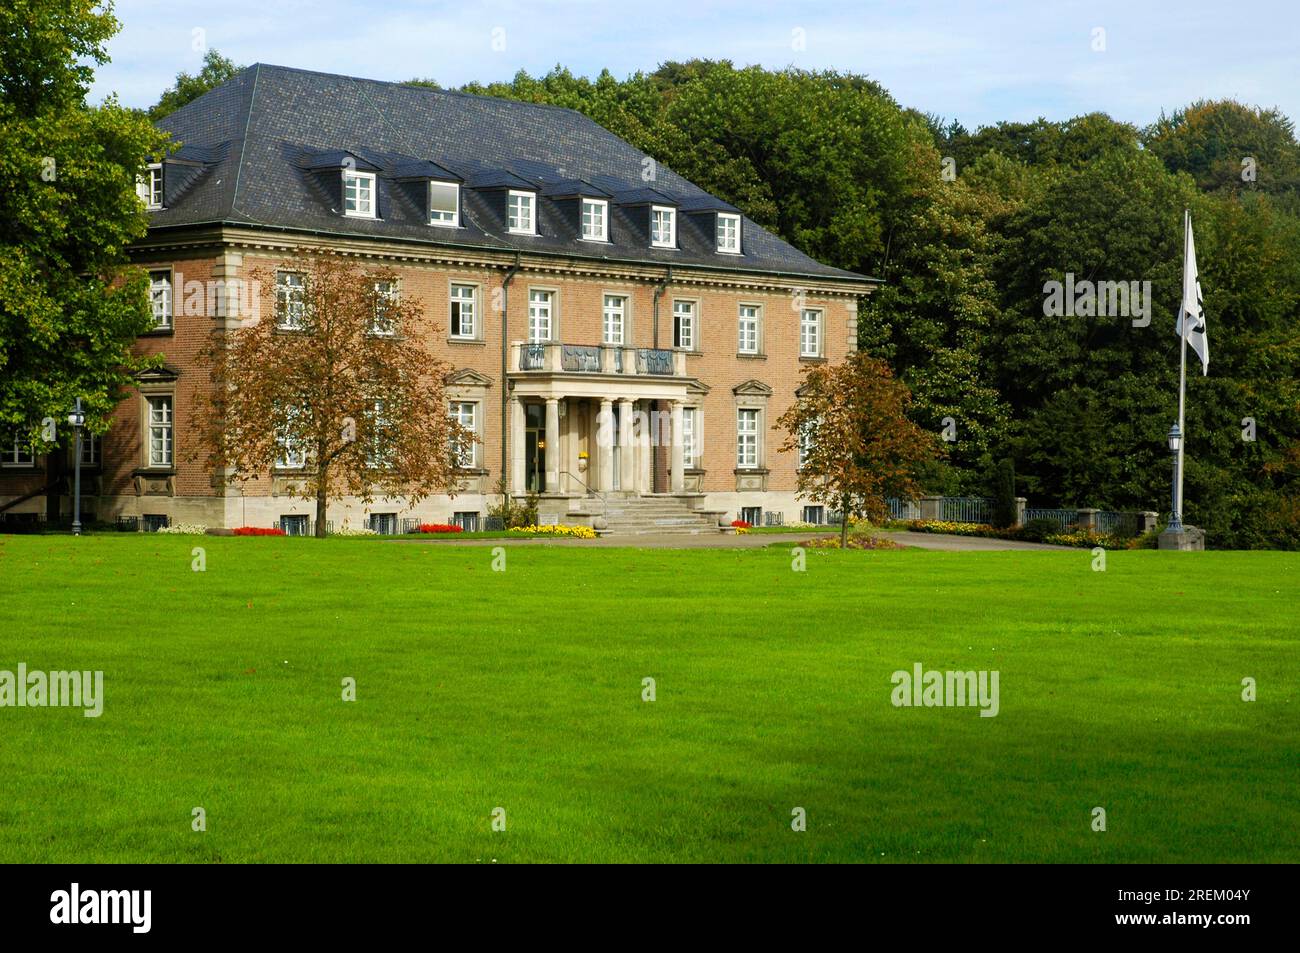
[558, 358]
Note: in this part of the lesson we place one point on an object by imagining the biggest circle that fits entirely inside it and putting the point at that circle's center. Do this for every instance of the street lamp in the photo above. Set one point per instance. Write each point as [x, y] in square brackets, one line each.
[1175, 444]
[78, 420]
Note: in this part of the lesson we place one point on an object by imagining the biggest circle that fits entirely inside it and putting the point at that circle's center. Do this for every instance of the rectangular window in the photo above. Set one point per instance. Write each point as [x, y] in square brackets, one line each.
[615, 312]
[16, 453]
[465, 413]
[810, 333]
[746, 439]
[539, 316]
[89, 450]
[149, 186]
[384, 523]
[519, 213]
[595, 220]
[463, 299]
[155, 521]
[384, 320]
[160, 431]
[805, 443]
[691, 434]
[160, 299]
[748, 341]
[444, 204]
[663, 227]
[378, 455]
[295, 525]
[466, 520]
[684, 325]
[293, 452]
[290, 300]
[753, 515]
[359, 194]
[729, 233]
[816, 515]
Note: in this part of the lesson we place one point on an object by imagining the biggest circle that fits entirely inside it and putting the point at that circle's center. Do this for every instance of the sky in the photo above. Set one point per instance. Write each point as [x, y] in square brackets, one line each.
[978, 61]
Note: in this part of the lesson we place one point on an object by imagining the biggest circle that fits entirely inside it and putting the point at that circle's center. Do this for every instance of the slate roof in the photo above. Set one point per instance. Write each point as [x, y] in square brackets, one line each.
[254, 150]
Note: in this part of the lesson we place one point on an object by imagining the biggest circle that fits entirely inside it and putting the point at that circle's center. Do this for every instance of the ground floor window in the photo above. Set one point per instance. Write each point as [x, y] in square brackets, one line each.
[753, 515]
[154, 522]
[816, 515]
[466, 520]
[295, 525]
[384, 523]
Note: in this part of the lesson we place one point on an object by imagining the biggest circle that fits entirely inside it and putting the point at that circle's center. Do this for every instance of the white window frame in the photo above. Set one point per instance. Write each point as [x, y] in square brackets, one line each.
[161, 298]
[378, 327]
[613, 316]
[161, 444]
[290, 300]
[17, 454]
[749, 329]
[805, 442]
[684, 313]
[810, 332]
[462, 310]
[465, 412]
[541, 315]
[378, 457]
[600, 210]
[728, 233]
[692, 437]
[360, 209]
[515, 218]
[748, 424]
[436, 216]
[657, 237]
[292, 455]
[149, 186]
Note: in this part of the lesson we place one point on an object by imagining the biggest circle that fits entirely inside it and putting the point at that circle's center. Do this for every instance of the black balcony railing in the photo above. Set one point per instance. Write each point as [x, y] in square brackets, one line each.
[532, 357]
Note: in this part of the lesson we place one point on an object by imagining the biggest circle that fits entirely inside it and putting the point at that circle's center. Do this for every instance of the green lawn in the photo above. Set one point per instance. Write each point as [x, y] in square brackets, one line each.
[522, 689]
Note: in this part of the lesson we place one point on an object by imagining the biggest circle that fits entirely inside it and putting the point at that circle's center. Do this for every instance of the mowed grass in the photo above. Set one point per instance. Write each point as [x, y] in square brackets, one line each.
[523, 690]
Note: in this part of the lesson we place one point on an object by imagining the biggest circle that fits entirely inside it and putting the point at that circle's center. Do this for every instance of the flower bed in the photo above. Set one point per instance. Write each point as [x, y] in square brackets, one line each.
[185, 529]
[860, 541]
[1085, 539]
[574, 532]
[440, 528]
[359, 531]
[258, 531]
[742, 524]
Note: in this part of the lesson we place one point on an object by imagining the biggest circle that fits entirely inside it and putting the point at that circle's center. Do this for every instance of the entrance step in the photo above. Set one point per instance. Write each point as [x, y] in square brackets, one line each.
[657, 515]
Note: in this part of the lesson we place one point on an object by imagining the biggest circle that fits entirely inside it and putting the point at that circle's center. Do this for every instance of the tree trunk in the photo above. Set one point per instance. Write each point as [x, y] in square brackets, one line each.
[844, 521]
[320, 505]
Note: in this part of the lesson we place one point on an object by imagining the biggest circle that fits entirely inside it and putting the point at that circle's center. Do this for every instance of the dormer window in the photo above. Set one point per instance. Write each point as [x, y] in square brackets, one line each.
[728, 233]
[149, 186]
[595, 220]
[663, 226]
[444, 204]
[358, 194]
[520, 213]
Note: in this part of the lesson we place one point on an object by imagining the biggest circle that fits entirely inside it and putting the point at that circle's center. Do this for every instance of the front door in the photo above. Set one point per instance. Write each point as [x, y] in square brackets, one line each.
[535, 448]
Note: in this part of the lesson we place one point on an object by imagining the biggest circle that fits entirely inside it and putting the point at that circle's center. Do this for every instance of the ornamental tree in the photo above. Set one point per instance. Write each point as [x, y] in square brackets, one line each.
[856, 445]
[328, 383]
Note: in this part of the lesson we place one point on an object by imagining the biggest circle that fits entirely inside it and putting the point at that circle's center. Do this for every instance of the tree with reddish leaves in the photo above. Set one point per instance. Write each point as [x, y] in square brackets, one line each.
[328, 382]
[856, 445]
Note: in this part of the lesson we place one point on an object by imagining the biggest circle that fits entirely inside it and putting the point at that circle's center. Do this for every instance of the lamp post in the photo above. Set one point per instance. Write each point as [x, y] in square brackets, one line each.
[1176, 515]
[78, 420]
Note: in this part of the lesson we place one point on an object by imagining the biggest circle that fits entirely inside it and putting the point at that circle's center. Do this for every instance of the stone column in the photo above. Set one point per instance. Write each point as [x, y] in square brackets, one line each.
[552, 445]
[1021, 503]
[627, 452]
[1088, 519]
[678, 453]
[605, 437]
[517, 444]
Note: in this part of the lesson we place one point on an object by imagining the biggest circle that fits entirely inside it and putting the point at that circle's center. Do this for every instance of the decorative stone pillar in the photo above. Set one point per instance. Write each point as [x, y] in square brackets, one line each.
[1147, 519]
[677, 467]
[1088, 519]
[627, 452]
[552, 450]
[605, 437]
[930, 507]
[1021, 502]
[517, 444]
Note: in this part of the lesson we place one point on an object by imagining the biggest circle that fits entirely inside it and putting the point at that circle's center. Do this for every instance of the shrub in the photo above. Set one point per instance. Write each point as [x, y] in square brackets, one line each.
[440, 528]
[511, 514]
[1004, 494]
[860, 541]
[258, 531]
[1039, 528]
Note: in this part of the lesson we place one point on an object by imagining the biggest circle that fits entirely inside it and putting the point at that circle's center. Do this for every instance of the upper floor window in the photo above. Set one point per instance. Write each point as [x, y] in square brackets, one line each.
[359, 194]
[729, 233]
[149, 186]
[810, 332]
[663, 227]
[615, 312]
[160, 299]
[748, 329]
[444, 204]
[595, 220]
[384, 320]
[160, 431]
[17, 453]
[292, 449]
[539, 315]
[379, 454]
[465, 413]
[463, 311]
[89, 450]
[684, 325]
[806, 433]
[520, 213]
[290, 300]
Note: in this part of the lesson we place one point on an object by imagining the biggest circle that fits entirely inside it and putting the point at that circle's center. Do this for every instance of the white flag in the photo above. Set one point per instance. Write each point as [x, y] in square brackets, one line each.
[1191, 316]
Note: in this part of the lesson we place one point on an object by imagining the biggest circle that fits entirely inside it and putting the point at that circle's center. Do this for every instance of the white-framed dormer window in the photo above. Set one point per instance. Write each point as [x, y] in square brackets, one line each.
[540, 305]
[663, 226]
[746, 438]
[290, 300]
[384, 320]
[614, 317]
[748, 329]
[463, 311]
[521, 212]
[358, 194]
[160, 299]
[595, 220]
[444, 204]
[728, 233]
[465, 413]
[810, 332]
[149, 186]
[684, 325]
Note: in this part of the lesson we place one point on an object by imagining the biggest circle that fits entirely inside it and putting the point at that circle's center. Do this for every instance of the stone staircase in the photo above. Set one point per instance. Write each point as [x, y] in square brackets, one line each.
[656, 515]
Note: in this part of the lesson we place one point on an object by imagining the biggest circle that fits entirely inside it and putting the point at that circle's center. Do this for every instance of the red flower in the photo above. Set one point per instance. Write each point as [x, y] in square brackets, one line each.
[258, 531]
[440, 528]
[741, 524]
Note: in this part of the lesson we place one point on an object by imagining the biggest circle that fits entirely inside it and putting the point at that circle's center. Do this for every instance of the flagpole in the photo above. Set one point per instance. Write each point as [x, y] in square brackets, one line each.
[1176, 517]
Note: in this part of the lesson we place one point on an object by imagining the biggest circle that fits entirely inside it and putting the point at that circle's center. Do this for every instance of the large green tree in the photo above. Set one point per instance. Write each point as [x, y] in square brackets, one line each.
[216, 70]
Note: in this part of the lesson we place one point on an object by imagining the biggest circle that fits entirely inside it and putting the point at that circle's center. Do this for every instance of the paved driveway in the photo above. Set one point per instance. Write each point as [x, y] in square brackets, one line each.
[972, 544]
